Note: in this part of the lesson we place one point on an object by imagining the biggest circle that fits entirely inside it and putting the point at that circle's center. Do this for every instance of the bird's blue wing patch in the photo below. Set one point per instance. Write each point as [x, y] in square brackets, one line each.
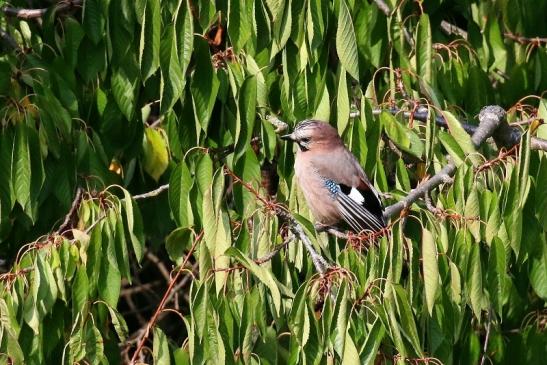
[332, 187]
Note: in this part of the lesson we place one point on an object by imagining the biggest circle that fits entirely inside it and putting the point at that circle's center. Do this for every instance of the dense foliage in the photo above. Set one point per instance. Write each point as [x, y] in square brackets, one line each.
[104, 101]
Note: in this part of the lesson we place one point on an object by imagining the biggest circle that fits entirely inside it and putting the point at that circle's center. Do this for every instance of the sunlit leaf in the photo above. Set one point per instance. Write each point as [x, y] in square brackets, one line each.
[431, 269]
[346, 45]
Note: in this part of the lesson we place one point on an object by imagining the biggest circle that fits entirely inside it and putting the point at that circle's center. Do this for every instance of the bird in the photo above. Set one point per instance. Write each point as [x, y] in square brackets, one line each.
[334, 185]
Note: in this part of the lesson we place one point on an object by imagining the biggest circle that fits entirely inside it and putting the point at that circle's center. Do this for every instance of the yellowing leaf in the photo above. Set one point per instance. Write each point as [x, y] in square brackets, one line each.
[156, 157]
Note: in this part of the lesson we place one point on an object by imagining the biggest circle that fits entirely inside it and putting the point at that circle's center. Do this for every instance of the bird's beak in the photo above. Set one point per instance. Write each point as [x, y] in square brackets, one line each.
[288, 137]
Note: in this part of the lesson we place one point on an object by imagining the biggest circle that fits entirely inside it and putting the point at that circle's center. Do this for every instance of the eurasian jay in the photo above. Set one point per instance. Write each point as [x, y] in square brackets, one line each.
[334, 184]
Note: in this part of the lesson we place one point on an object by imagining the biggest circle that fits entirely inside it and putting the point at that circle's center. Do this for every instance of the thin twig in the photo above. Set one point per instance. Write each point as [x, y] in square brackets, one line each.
[451, 29]
[71, 215]
[321, 265]
[22, 13]
[279, 125]
[383, 7]
[487, 337]
[525, 40]
[152, 193]
[161, 266]
[161, 306]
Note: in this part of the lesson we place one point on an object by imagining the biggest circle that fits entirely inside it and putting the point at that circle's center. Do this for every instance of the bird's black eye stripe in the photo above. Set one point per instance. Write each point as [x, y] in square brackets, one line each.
[305, 140]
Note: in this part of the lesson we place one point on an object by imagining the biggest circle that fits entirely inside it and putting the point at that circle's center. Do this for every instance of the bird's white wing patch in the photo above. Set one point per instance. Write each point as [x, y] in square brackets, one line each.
[356, 196]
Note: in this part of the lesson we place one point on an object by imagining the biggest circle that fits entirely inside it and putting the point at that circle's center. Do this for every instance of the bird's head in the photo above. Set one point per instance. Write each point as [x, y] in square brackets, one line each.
[311, 134]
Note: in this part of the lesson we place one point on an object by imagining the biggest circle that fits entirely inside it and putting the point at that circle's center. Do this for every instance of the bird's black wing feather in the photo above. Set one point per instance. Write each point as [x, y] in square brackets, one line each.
[361, 217]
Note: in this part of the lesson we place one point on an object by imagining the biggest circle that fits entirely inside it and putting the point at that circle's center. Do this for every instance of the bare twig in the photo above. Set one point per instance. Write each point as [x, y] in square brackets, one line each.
[381, 4]
[152, 193]
[491, 119]
[71, 215]
[161, 306]
[279, 125]
[321, 265]
[538, 41]
[161, 266]
[451, 29]
[22, 13]
[487, 337]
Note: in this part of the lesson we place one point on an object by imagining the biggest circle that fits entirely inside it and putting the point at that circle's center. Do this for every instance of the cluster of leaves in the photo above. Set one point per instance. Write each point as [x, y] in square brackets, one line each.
[141, 93]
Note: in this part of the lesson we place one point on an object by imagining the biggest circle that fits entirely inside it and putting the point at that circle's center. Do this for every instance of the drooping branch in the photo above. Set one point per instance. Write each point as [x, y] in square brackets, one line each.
[491, 118]
[22, 13]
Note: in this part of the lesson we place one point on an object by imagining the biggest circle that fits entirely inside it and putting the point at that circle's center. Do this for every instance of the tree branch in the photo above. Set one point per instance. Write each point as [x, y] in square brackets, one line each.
[22, 13]
[451, 29]
[152, 193]
[491, 118]
[71, 215]
[506, 135]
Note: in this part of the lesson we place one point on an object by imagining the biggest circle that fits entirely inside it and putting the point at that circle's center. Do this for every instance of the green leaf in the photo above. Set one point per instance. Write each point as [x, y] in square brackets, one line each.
[180, 184]
[73, 37]
[80, 290]
[472, 211]
[204, 86]
[156, 156]
[240, 15]
[149, 47]
[341, 316]
[204, 173]
[342, 103]
[161, 348]
[123, 90]
[109, 283]
[346, 45]
[351, 356]
[264, 275]
[94, 348]
[523, 169]
[134, 225]
[424, 49]
[20, 165]
[431, 269]
[282, 25]
[248, 169]
[462, 138]
[453, 148]
[177, 242]
[404, 137]
[223, 243]
[246, 113]
[475, 280]
[455, 283]
[172, 77]
[497, 266]
[93, 20]
[538, 271]
[185, 34]
[372, 343]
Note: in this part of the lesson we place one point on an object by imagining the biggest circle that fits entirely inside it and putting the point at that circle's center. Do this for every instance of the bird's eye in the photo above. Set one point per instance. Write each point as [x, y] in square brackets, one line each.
[305, 140]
